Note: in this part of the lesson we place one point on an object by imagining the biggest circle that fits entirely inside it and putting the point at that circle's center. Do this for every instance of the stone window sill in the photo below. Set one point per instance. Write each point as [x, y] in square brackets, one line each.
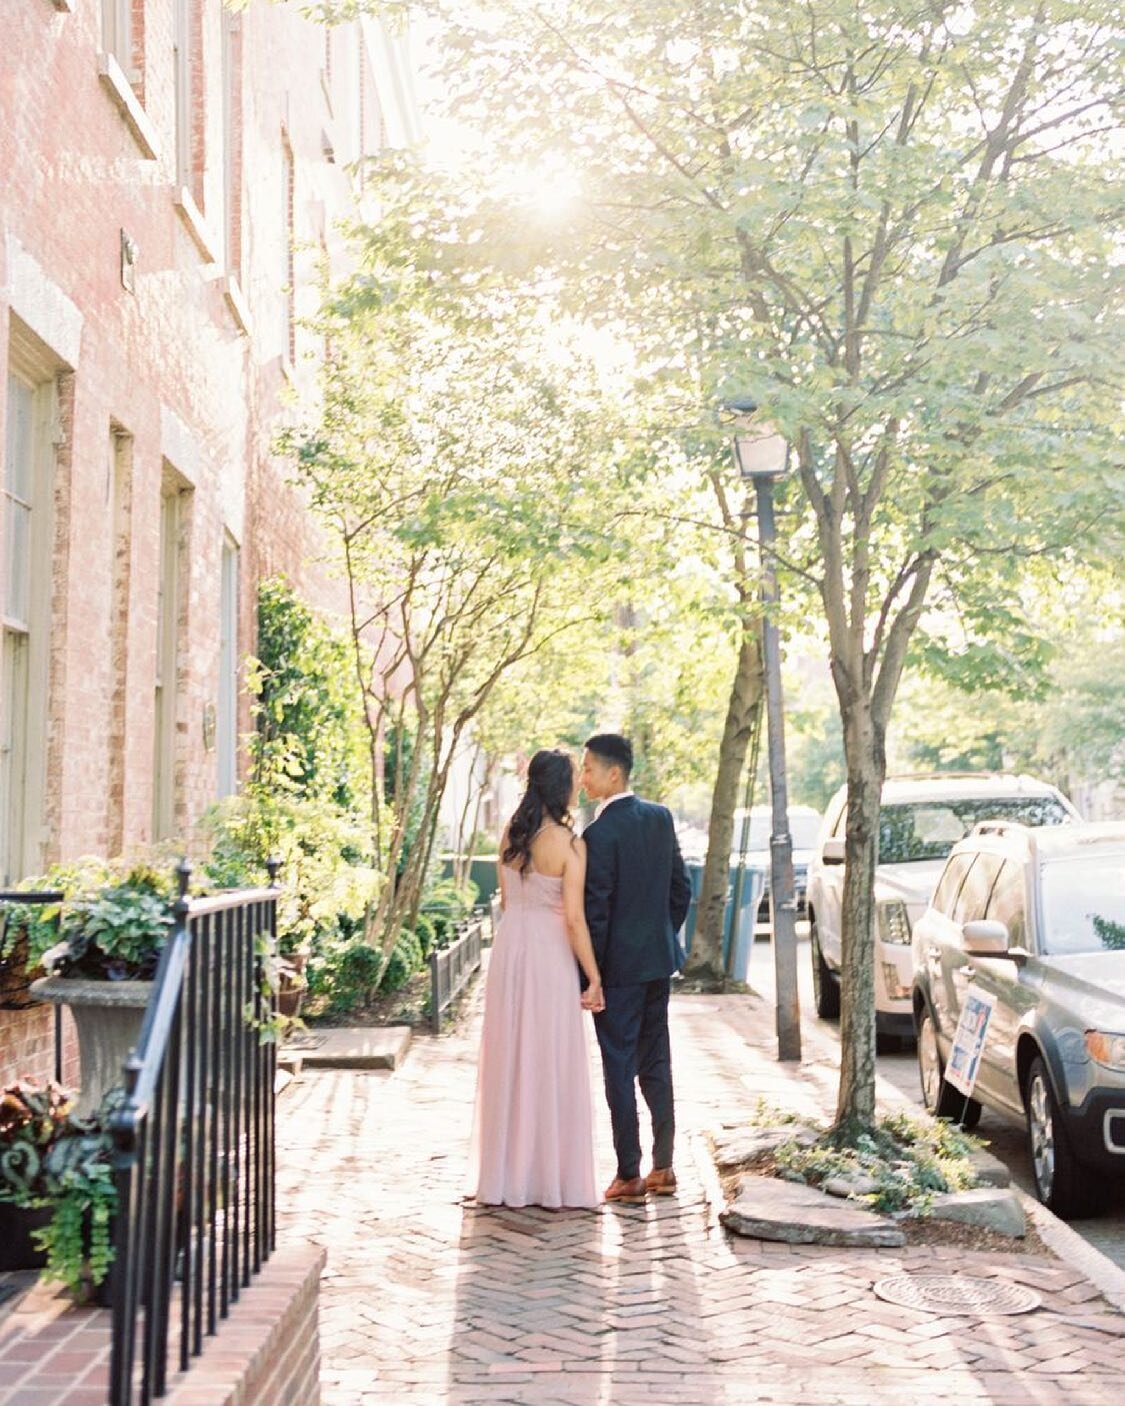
[236, 301]
[136, 118]
[197, 226]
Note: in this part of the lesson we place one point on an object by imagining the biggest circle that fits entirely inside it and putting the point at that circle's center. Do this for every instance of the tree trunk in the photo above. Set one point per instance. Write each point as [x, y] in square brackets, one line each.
[706, 961]
[864, 747]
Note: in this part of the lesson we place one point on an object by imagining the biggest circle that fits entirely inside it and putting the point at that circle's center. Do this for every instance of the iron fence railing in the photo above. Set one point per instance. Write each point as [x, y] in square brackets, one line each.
[194, 1141]
[452, 966]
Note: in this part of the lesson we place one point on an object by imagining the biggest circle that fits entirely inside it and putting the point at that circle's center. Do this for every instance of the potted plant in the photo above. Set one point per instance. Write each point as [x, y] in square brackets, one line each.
[100, 959]
[82, 1194]
[16, 973]
[57, 1190]
[31, 1117]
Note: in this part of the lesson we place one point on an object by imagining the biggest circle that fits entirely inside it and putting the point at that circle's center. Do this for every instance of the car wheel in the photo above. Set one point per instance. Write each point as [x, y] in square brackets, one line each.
[938, 1097]
[1053, 1164]
[826, 988]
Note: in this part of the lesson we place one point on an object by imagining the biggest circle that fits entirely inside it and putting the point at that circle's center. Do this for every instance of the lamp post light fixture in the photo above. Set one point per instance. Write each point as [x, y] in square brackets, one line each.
[762, 457]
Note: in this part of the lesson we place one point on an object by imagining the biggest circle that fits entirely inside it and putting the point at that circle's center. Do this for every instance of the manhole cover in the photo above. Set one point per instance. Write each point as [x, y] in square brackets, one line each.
[956, 1293]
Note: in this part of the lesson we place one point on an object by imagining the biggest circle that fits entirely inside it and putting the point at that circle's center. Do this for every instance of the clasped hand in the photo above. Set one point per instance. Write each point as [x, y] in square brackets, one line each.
[592, 998]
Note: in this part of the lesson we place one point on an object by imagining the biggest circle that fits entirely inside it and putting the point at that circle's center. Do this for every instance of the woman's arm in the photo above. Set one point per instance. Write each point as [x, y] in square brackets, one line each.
[503, 883]
[574, 911]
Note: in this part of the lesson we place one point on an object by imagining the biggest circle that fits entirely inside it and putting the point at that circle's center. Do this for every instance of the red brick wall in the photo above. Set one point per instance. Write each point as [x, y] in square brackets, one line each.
[170, 364]
[27, 1045]
[266, 1353]
[268, 1350]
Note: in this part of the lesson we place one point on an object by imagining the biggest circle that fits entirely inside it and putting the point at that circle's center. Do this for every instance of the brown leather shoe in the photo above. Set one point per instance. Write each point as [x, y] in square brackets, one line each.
[661, 1181]
[630, 1191]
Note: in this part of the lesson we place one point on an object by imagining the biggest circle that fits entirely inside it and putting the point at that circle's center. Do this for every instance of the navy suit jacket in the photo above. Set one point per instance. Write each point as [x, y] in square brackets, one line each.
[637, 892]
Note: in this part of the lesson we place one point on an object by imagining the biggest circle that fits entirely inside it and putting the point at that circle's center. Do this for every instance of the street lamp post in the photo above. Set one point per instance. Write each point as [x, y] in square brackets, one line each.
[762, 456]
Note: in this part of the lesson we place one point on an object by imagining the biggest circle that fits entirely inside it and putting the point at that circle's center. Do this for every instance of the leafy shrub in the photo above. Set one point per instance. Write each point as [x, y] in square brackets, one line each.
[32, 1116]
[113, 922]
[348, 976]
[403, 962]
[427, 934]
[910, 1160]
[310, 733]
[446, 904]
[49, 1158]
[325, 888]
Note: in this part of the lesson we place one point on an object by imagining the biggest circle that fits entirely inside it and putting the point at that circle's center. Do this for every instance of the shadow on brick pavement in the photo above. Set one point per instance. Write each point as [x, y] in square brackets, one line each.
[427, 1299]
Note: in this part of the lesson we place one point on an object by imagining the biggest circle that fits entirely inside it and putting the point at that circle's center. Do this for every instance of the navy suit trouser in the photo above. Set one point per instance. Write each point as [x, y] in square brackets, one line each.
[633, 1035]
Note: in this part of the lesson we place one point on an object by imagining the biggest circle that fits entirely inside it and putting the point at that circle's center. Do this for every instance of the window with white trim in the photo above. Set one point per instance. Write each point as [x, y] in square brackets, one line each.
[174, 506]
[117, 32]
[182, 61]
[28, 486]
[227, 730]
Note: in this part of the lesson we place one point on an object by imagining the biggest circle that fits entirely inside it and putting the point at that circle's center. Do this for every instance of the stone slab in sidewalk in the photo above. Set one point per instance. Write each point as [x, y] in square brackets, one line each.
[991, 1207]
[769, 1209]
[352, 1047]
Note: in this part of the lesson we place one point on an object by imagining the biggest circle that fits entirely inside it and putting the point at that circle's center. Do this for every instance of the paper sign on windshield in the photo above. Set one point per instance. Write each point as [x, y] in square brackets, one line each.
[964, 1060]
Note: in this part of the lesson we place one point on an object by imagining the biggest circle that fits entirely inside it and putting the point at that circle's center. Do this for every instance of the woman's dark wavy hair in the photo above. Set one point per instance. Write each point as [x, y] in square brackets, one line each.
[550, 785]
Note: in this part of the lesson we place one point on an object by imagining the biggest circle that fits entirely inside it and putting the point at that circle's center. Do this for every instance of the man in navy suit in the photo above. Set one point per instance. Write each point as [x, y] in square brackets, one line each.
[637, 895]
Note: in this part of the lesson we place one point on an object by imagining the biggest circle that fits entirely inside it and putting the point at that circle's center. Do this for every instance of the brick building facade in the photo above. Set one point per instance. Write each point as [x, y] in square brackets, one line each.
[171, 172]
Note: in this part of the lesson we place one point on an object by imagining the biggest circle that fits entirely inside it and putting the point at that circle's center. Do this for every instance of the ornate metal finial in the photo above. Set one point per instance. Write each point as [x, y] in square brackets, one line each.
[183, 877]
[273, 865]
[132, 1070]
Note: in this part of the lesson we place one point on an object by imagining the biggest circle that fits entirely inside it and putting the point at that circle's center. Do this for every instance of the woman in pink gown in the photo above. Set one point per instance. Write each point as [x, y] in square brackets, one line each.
[533, 1134]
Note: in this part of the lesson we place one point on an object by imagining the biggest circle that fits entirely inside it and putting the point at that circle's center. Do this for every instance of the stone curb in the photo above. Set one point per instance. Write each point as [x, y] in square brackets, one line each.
[1099, 1269]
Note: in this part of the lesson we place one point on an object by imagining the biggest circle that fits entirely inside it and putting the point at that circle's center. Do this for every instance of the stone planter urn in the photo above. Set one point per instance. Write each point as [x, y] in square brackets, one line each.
[108, 1016]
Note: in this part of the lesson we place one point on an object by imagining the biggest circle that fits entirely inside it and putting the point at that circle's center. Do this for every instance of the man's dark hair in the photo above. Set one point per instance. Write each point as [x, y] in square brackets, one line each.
[613, 748]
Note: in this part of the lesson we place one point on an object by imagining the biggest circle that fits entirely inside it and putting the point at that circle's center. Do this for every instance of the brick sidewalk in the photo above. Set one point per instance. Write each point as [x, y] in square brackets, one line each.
[429, 1300]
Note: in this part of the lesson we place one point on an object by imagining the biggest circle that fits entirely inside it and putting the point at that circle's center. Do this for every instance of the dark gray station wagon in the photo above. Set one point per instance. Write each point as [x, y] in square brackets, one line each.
[1033, 920]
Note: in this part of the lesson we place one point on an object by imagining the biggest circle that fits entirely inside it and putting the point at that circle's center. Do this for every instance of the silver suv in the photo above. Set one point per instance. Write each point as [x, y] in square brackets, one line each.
[922, 818]
[1033, 923]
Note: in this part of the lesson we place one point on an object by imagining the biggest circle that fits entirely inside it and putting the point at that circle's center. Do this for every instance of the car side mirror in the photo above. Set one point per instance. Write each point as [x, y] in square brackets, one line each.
[985, 937]
[832, 851]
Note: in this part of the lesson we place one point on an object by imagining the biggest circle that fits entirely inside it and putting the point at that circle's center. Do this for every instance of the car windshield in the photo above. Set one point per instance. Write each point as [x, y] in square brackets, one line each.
[923, 830]
[1084, 903]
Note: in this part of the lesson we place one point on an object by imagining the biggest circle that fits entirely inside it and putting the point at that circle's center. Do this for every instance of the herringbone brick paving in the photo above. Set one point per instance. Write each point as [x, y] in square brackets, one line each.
[429, 1300]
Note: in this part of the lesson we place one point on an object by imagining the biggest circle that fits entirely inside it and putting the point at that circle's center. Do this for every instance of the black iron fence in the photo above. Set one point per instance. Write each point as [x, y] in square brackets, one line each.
[195, 1141]
[452, 966]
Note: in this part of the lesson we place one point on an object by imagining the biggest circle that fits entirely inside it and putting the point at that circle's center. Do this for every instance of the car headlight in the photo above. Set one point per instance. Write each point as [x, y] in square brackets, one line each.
[1106, 1049]
[894, 922]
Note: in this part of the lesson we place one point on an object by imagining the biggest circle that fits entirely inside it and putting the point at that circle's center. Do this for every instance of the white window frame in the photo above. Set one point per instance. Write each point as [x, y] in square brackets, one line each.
[167, 658]
[182, 16]
[25, 648]
[226, 740]
[117, 32]
[289, 282]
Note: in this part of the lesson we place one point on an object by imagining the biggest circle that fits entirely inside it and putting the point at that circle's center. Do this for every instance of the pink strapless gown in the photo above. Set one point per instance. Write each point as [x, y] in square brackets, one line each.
[533, 1133]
